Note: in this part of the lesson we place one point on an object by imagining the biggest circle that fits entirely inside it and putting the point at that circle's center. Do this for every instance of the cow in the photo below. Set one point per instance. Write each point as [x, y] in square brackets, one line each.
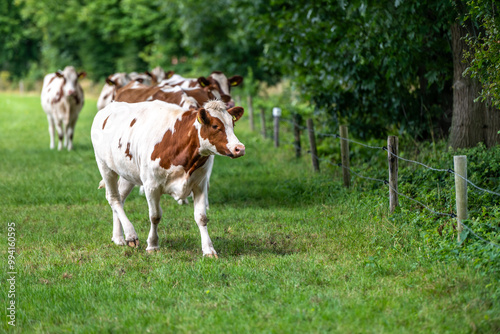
[217, 78]
[108, 92]
[168, 150]
[185, 97]
[158, 74]
[62, 100]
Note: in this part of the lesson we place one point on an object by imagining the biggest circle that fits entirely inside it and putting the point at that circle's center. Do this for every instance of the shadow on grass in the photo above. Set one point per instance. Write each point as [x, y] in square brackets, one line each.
[237, 246]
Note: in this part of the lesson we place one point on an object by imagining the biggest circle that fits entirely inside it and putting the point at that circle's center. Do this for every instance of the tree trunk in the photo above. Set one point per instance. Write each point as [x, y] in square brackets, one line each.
[492, 125]
[472, 122]
[468, 117]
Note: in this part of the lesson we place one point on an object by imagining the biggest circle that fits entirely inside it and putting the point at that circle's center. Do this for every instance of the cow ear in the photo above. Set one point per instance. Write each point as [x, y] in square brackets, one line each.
[110, 82]
[82, 75]
[203, 81]
[59, 74]
[236, 112]
[151, 75]
[235, 80]
[169, 74]
[203, 117]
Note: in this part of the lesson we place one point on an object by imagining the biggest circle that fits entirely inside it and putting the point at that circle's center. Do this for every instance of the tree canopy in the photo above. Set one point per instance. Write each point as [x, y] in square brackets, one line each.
[384, 66]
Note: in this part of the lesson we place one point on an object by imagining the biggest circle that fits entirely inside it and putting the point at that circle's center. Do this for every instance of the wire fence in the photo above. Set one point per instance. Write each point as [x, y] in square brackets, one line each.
[385, 182]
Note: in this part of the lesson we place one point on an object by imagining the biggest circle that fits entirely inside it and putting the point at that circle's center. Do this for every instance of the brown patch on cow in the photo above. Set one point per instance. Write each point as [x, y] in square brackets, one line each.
[180, 148]
[170, 97]
[52, 79]
[120, 143]
[133, 122]
[203, 220]
[127, 152]
[132, 95]
[104, 124]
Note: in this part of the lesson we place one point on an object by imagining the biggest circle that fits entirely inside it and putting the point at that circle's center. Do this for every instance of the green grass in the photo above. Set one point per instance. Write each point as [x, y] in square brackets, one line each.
[298, 252]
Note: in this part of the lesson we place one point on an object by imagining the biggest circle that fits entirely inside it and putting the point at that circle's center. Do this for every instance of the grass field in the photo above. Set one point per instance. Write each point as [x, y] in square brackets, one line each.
[298, 252]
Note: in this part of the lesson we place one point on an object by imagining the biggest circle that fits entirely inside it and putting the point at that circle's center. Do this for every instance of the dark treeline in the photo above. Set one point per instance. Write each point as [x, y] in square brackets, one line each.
[381, 66]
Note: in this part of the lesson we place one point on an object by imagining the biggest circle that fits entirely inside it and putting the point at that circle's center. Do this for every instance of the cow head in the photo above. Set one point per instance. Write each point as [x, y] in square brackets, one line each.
[118, 79]
[223, 85]
[215, 127]
[144, 78]
[70, 77]
[158, 74]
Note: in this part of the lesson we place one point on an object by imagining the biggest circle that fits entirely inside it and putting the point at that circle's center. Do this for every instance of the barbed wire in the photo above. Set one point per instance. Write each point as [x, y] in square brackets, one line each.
[449, 170]
[451, 215]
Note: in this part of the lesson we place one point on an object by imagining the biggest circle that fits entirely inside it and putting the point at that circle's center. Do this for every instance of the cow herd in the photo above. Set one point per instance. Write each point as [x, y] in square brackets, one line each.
[157, 130]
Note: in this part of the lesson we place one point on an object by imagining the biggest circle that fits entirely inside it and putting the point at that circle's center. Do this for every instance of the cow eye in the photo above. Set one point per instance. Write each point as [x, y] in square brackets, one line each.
[215, 127]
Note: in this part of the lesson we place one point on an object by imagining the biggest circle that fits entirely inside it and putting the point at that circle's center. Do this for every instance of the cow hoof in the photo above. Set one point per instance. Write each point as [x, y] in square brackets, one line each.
[151, 251]
[133, 243]
[211, 255]
[119, 241]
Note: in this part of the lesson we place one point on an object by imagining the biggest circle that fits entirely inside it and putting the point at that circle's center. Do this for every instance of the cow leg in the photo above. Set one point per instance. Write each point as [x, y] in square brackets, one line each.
[70, 130]
[200, 195]
[114, 199]
[124, 188]
[60, 134]
[51, 131]
[153, 198]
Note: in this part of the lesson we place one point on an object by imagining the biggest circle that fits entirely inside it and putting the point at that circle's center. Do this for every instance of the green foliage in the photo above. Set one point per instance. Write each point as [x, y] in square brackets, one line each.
[436, 189]
[485, 55]
[19, 42]
[379, 64]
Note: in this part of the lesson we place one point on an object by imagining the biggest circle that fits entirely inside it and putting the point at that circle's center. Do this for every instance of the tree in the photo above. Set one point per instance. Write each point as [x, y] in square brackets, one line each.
[474, 120]
[484, 55]
[382, 66]
[19, 44]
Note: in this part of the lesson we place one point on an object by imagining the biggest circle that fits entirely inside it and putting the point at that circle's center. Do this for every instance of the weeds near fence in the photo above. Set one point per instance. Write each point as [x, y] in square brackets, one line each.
[415, 186]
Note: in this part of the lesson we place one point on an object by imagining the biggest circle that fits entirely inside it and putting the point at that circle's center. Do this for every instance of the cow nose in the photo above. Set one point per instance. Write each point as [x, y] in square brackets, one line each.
[71, 92]
[239, 150]
[230, 104]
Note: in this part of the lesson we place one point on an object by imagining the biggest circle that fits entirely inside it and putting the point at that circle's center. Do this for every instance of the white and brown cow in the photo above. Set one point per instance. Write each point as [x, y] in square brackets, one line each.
[217, 78]
[108, 92]
[62, 100]
[185, 97]
[158, 74]
[168, 150]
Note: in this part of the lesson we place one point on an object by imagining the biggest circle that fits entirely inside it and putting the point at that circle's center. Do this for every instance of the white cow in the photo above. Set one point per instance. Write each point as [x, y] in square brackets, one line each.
[168, 150]
[62, 100]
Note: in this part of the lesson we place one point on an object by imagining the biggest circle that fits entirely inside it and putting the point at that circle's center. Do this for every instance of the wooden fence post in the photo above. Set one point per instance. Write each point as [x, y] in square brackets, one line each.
[344, 151]
[276, 115]
[460, 165]
[297, 120]
[392, 147]
[250, 112]
[312, 141]
[263, 122]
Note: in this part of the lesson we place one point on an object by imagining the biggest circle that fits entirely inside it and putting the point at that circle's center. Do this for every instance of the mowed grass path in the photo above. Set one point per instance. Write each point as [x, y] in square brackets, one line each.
[298, 253]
